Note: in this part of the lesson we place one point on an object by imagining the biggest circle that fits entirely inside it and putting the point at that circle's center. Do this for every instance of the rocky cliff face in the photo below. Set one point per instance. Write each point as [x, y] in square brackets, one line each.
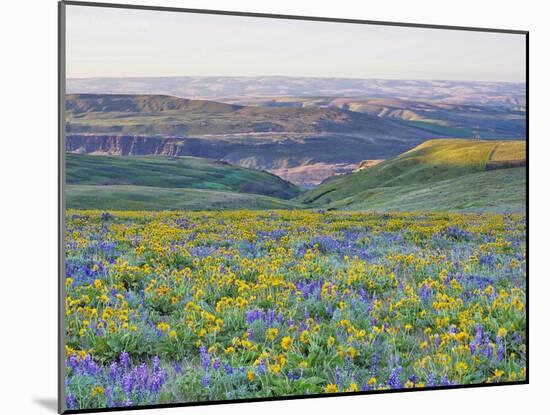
[129, 145]
[116, 145]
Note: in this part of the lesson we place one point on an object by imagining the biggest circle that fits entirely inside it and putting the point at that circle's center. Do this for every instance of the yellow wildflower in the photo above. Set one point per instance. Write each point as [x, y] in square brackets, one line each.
[98, 390]
[272, 333]
[331, 388]
[285, 343]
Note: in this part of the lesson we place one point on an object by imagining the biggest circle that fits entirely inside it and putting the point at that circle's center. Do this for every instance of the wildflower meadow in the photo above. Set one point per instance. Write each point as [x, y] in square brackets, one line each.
[188, 306]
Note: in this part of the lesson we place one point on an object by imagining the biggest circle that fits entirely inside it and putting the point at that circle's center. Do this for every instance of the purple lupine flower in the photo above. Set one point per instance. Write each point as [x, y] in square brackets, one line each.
[128, 383]
[98, 331]
[338, 376]
[292, 376]
[253, 315]
[113, 372]
[125, 360]
[143, 375]
[228, 369]
[70, 401]
[393, 381]
[489, 351]
[444, 381]
[156, 364]
[177, 367]
[91, 366]
[270, 317]
[205, 381]
[157, 380]
[205, 357]
[472, 348]
[330, 309]
[260, 369]
[431, 380]
[500, 349]
[425, 292]
[374, 362]
[109, 395]
[73, 362]
[216, 364]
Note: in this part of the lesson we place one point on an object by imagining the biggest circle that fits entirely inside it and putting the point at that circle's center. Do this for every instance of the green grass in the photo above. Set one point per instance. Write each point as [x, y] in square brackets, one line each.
[495, 191]
[124, 197]
[397, 184]
[174, 172]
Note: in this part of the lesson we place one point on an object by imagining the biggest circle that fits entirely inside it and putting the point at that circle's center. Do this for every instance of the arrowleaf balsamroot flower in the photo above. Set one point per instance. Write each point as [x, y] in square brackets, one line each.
[285, 343]
[331, 388]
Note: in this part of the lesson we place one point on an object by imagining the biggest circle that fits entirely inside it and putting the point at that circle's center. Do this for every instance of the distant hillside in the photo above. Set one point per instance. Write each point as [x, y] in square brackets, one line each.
[451, 119]
[263, 138]
[446, 174]
[80, 104]
[172, 116]
[179, 172]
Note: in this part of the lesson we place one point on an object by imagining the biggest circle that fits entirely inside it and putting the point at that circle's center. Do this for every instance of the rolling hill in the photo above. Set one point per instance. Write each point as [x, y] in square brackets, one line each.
[445, 118]
[262, 138]
[171, 116]
[117, 182]
[174, 172]
[445, 174]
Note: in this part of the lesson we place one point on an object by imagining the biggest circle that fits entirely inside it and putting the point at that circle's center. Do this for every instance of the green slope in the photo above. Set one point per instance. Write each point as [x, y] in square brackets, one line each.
[124, 197]
[495, 191]
[446, 174]
[174, 172]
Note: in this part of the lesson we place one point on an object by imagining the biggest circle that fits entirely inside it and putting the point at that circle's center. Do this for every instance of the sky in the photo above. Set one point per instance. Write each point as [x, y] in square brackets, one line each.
[110, 42]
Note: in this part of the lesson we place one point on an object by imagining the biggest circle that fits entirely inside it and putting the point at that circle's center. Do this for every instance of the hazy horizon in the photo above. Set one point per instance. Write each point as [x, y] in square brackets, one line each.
[128, 43]
[292, 76]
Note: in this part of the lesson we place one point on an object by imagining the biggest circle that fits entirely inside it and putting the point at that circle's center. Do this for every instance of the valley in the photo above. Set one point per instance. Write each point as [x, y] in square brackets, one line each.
[292, 137]
[438, 175]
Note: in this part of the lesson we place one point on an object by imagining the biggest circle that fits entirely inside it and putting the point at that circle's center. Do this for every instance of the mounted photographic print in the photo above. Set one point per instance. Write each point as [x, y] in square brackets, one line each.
[258, 207]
